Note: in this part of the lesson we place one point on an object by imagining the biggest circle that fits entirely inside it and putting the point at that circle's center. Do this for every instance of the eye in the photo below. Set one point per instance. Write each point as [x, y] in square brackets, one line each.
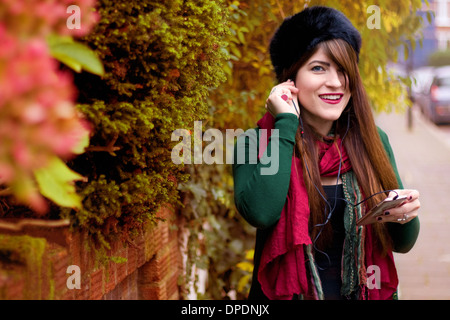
[317, 68]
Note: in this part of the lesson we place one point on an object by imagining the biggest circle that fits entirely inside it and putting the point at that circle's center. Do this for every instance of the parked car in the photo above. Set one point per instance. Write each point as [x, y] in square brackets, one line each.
[434, 98]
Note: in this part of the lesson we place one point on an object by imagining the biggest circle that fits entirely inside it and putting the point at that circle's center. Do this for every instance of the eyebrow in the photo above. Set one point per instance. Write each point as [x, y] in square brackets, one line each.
[321, 62]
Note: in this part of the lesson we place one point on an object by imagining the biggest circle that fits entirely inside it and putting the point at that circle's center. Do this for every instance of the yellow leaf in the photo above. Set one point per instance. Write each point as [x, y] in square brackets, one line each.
[250, 254]
[243, 282]
[246, 266]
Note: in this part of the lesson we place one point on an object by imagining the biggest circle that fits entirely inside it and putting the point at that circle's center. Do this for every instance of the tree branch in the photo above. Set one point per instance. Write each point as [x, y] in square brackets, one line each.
[110, 148]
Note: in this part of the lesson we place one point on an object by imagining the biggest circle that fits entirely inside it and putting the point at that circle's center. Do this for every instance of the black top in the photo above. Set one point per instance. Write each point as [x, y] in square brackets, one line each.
[329, 260]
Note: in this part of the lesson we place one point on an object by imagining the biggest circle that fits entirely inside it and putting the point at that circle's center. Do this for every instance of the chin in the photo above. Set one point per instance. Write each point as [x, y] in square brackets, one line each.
[332, 116]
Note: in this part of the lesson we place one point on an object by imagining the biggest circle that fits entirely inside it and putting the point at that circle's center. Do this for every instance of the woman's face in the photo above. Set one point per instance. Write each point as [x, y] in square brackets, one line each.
[323, 92]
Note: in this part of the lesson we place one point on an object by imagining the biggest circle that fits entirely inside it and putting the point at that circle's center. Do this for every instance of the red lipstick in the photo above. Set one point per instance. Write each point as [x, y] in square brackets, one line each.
[331, 98]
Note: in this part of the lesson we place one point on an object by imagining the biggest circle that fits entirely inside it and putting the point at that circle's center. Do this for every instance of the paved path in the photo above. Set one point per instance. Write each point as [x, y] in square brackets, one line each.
[423, 160]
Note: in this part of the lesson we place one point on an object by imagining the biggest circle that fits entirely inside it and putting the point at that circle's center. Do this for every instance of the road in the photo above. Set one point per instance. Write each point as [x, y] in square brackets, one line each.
[423, 160]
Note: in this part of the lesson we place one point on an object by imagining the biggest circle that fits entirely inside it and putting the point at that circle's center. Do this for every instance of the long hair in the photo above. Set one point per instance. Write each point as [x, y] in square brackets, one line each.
[369, 160]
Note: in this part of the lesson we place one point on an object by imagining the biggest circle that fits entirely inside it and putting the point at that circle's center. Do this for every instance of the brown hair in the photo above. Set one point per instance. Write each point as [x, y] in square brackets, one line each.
[362, 142]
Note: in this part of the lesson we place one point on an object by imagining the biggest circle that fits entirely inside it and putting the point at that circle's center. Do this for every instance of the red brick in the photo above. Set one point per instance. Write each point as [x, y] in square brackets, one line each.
[68, 295]
[141, 259]
[132, 259]
[153, 242]
[12, 285]
[151, 271]
[152, 292]
[59, 261]
[45, 278]
[121, 272]
[172, 285]
[75, 248]
[110, 276]
[96, 285]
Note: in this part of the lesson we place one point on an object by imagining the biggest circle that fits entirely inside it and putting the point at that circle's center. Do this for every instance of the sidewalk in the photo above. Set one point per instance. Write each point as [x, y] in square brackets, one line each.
[423, 161]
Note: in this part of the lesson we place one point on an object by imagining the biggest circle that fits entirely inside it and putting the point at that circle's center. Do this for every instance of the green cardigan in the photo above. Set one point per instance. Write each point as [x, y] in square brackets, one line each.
[260, 198]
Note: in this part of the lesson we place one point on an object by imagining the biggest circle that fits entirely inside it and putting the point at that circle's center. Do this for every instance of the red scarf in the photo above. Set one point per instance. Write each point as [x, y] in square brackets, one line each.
[282, 272]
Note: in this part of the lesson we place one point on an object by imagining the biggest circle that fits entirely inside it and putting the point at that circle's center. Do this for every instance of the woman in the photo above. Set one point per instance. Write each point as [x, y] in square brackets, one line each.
[334, 165]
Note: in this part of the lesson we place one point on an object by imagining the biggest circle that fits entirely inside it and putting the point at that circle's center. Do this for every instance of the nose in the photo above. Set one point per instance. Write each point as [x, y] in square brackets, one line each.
[335, 79]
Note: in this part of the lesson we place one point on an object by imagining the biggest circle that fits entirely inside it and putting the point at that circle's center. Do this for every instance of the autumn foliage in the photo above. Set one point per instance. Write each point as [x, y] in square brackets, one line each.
[132, 74]
[38, 119]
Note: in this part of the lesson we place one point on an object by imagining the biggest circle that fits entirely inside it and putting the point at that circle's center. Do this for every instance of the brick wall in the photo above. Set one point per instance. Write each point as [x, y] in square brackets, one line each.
[151, 268]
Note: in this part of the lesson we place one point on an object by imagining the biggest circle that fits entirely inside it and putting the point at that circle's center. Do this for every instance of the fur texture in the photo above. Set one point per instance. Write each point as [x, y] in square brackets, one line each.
[303, 31]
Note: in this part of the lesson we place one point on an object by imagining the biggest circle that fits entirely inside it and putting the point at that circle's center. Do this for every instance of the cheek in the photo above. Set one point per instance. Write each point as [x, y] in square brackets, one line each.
[304, 83]
[347, 97]
[307, 91]
[305, 99]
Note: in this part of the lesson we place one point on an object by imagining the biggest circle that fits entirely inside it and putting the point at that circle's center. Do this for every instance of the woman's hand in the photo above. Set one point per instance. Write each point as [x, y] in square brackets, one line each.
[404, 213]
[283, 99]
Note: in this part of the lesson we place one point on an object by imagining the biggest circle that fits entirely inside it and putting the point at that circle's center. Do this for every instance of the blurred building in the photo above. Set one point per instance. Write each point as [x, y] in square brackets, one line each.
[419, 57]
[435, 35]
[442, 22]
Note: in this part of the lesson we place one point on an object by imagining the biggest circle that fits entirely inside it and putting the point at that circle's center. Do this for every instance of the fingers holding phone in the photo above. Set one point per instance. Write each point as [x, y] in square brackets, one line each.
[401, 206]
[406, 211]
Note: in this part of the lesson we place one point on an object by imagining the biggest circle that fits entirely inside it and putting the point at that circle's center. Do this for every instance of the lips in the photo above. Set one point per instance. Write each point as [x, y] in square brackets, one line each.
[332, 98]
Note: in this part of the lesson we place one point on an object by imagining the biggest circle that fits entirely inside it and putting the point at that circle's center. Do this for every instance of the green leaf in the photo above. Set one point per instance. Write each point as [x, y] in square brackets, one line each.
[430, 15]
[235, 51]
[75, 55]
[55, 182]
[241, 37]
[406, 51]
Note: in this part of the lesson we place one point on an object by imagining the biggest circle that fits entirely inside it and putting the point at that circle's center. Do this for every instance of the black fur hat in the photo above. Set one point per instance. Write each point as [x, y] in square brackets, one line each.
[303, 31]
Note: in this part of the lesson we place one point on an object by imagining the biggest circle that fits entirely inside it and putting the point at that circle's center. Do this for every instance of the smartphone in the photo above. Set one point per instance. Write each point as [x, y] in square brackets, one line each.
[379, 209]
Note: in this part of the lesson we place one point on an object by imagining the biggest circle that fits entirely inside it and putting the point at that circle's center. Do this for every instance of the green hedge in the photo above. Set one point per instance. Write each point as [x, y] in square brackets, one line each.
[161, 60]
